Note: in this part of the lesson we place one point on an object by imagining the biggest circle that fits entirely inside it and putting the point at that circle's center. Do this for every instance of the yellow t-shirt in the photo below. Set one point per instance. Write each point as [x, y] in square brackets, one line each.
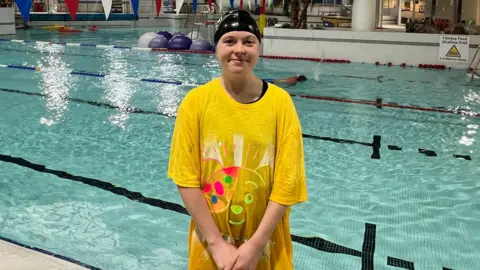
[241, 156]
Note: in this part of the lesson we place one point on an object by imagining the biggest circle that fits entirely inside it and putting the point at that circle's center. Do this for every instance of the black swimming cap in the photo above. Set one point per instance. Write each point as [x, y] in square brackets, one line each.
[236, 20]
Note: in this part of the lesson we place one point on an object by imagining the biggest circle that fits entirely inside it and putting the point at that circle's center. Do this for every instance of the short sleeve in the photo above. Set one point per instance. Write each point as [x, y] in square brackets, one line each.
[289, 185]
[184, 162]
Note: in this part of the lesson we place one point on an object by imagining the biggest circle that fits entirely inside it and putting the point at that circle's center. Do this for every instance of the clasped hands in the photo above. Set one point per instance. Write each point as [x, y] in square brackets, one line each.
[228, 257]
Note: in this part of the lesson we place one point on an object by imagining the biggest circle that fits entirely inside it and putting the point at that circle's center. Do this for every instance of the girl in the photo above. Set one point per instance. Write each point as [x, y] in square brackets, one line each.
[237, 159]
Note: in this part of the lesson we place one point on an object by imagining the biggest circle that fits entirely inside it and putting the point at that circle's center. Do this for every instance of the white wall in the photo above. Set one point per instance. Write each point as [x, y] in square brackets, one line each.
[368, 47]
[7, 21]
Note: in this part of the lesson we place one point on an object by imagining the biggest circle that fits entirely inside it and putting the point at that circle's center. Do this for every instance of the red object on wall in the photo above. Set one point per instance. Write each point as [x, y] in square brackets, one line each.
[72, 6]
[159, 6]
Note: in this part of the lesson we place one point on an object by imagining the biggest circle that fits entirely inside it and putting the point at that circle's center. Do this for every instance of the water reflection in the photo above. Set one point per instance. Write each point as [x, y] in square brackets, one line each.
[56, 82]
[119, 90]
[473, 98]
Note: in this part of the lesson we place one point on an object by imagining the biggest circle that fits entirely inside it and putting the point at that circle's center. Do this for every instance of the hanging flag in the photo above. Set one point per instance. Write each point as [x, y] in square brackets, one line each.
[256, 4]
[135, 4]
[249, 5]
[220, 6]
[231, 3]
[158, 6]
[107, 7]
[24, 6]
[178, 5]
[209, 4]
[72, 6]
[241, 4]
[194, 2]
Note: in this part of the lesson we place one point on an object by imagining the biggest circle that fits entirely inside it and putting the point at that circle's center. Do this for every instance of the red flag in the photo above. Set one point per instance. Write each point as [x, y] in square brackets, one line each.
[241, 4]
[72, 6]
[210, 4]
[158, 6]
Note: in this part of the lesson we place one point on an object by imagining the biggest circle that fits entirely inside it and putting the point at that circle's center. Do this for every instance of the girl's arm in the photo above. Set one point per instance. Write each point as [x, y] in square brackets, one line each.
[272, 216]
[197, 207]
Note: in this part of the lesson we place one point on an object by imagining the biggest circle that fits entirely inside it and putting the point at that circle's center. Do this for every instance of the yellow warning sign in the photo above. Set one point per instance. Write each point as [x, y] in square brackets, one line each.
[453, 52]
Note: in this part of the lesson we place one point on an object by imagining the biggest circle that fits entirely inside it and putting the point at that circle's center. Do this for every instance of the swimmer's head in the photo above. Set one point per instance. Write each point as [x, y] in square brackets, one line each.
[237, 41]
[238, 21]
[301, 78]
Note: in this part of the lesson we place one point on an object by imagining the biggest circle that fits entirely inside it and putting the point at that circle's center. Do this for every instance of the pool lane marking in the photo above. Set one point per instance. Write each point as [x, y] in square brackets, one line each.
[315, 242]
[88, 102]
[49, 253]
[376, 144]
[391, 105]
[327, 98]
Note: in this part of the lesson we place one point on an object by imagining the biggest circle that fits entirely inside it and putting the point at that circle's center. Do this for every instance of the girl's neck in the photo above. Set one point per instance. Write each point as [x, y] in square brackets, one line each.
[244, 89]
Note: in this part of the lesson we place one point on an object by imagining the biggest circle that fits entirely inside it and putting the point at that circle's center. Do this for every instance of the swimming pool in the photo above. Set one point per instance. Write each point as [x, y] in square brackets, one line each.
[83, 159]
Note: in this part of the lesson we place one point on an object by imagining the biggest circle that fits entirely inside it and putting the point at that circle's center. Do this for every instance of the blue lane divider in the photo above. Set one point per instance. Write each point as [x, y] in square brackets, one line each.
[121, 47]
[160, 81]
[88, 45]
[21, 67]
[95, 74]
[86, 73]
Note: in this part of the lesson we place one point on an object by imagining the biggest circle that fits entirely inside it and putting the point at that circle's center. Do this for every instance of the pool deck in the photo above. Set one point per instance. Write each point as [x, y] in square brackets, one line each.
[17, 257]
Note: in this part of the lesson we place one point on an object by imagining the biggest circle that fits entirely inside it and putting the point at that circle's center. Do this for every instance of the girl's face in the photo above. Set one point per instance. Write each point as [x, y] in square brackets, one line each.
[238, 52]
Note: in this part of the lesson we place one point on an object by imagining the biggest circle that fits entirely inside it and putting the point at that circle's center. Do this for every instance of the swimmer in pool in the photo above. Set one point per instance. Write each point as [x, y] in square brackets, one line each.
[291, 81]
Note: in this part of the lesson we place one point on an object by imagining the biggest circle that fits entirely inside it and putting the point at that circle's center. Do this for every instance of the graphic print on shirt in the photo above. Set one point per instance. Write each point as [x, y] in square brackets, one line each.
[236, 181]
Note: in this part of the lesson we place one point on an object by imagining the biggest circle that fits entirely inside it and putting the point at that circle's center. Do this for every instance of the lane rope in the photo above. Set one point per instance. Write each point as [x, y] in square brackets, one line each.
[122, 47]
[326, 98]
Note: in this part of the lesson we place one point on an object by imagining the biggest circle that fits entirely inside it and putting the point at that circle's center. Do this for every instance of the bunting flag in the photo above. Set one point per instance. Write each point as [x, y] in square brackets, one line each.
[220, 6]
[210, 4]
[135, 4]
[256, 4]
[158, 6]
[24, 6]
[178, 5]
[231, 3]
[72, 6]
[241, 4]
[107, 7]
[194, 3]
[249, 4]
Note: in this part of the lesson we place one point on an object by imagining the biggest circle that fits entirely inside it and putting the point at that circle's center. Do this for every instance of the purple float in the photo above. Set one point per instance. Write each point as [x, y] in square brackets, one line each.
[212, 49]
[158, 42]
[200, 45]
[178, 34]
[179, 43]
[166, 34]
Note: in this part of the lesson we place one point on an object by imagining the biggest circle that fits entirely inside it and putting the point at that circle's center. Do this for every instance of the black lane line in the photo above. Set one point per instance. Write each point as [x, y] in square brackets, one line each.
[376, 146]
[368, 248]
[324, 245]
[140, 111]
[49, 253]
[394, 148]
[335, 140]
[89, 102]
[134, 196]
[314, 242]
[395, 262]
[428, 153]
[466, 157]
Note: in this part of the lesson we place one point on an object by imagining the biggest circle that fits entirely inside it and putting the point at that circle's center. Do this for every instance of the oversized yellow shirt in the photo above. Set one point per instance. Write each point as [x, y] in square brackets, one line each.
[240, 156]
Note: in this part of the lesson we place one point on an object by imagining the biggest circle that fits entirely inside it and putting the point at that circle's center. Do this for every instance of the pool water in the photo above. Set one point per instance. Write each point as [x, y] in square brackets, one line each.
[103, 197]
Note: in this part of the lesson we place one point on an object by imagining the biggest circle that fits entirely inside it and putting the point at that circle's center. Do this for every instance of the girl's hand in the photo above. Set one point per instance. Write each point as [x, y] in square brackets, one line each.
[248, 256]
[224, 254]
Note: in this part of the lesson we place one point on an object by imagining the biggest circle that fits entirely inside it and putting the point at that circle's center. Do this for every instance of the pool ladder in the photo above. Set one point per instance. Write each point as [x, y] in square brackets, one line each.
[474, 70]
